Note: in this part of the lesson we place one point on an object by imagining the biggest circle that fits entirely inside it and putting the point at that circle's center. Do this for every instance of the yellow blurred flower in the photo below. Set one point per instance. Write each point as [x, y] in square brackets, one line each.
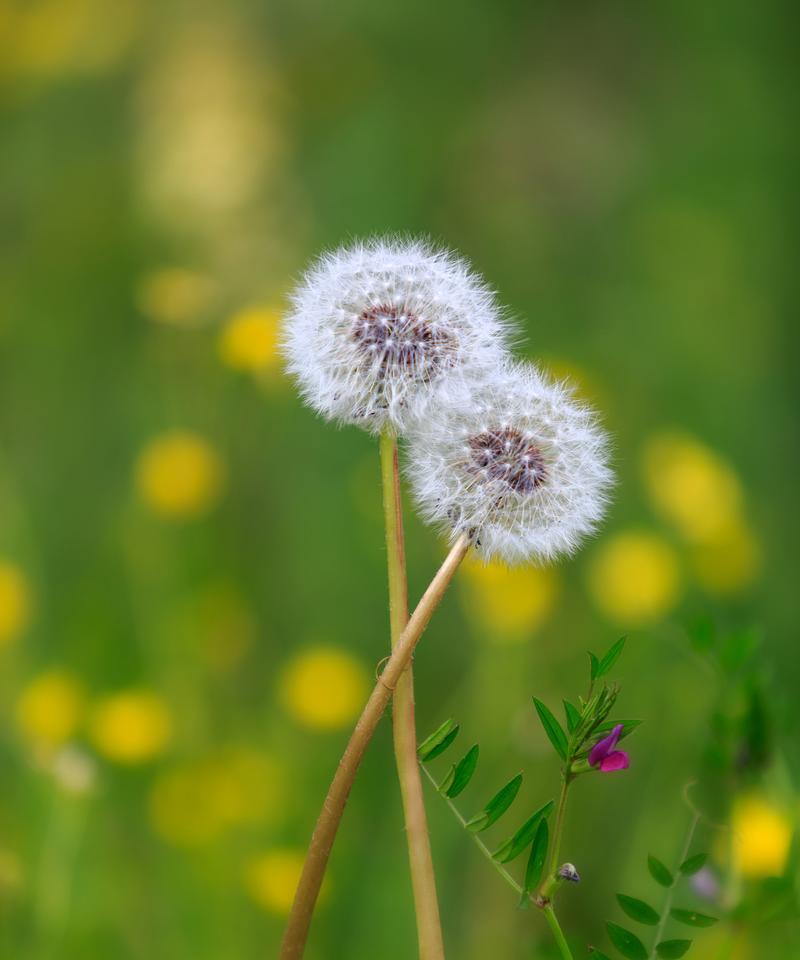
[508, 603]
[179, 474]
[272, 879]
[249, 341]
[324, 688]
[50, 708]
[729, 561]
[176, 296]
[690, 485]
[199, 801]
[15, 602]
[634, 578]
[762, 836]
[131, 727]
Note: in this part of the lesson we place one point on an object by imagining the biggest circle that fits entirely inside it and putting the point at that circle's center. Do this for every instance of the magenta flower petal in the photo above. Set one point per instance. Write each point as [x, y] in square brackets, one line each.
[618, 760]
[605, 746]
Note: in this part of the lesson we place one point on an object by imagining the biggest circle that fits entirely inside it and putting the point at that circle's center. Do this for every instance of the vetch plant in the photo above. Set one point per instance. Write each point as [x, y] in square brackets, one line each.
[404, 340]
[585, 744]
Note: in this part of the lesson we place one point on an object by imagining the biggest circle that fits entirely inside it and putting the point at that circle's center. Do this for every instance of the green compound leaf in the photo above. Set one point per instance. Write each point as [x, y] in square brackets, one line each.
[535, 868]
[573, 716]
[693, 864]
[659, 872]
[610, 658]
[670, 949]
[692, 918]
[628, 944]
[552, 728]
[514, 846]
[460, 774]
[438, 741]
[638, 910]
[497, 806]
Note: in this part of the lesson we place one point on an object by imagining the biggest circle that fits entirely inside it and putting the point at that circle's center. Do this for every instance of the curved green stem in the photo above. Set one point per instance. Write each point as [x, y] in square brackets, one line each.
[671, 892]
[558, 933]
[423, 881]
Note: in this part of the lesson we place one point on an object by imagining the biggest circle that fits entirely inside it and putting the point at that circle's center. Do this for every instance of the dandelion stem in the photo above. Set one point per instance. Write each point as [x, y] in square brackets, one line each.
[305, 898]
[423, 880]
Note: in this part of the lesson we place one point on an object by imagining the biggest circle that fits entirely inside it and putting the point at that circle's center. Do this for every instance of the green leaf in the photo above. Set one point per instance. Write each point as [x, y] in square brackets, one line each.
[573, 716]
[461, 774]
[670, 949]
[535, 868]
[693, 864]
[552, 728]
[497, 806]
[610, 658]
[692, 918]
[594, 665]
[628, 944]
[598, 954]
[638, 910]
[438, 741]
[514, 846]
[659, 872]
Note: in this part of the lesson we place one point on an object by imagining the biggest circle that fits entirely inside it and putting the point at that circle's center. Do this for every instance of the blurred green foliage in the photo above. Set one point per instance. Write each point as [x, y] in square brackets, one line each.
[192, 588]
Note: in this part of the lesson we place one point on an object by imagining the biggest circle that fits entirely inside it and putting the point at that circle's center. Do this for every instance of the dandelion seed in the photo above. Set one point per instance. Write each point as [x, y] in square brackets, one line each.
[516, 463]
[380, 329]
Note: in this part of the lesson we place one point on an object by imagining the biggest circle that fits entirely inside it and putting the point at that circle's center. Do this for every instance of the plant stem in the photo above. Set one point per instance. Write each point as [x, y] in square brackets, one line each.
[548, 909]
[558, 933]
[671, 892]
[551, 880]
[305, 898]
[423, 881]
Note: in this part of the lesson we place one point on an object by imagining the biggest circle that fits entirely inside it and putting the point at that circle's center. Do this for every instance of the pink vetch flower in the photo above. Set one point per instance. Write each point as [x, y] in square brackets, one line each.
[605, 758]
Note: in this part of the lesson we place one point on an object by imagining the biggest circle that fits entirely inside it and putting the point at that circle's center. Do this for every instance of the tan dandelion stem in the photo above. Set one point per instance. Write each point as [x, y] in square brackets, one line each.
[305, 898]
[423, 880]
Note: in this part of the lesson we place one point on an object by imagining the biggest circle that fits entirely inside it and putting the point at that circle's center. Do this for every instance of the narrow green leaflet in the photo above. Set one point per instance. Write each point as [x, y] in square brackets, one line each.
[693, 864]
[438, 741]
[628, 726]
[533, 872]
[594, 665]
[610, 658]
[497, 806]
[628, 944]
[552, 728]
[598, 954]
[461, 774]
[638, 910]
[659, 872]
[692, 918]
[670, 949]
[514, 846]
[573, 716]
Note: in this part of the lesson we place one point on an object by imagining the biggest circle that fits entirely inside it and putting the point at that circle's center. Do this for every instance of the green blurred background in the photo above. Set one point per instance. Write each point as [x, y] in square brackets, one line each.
[192, 583]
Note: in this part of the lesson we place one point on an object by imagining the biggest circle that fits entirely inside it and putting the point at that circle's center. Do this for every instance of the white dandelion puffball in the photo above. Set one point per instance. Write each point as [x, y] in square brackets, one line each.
[380, 329]
[516, 463]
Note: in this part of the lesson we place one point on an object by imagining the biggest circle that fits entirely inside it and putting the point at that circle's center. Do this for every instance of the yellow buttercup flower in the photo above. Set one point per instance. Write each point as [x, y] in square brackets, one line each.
[634, 578]
[508, 603]
[200, 800]
[15, 602]
[729, 561]
[176, 296]
[249, 341]
[131, 727]
[180, 475]
[272, 879]
[324, 688]
[50, 708]
[690, 485]
[762, 836]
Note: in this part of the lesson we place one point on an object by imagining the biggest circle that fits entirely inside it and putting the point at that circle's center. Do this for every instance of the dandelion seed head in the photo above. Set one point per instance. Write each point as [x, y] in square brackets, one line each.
[516, 463]
[380, 330]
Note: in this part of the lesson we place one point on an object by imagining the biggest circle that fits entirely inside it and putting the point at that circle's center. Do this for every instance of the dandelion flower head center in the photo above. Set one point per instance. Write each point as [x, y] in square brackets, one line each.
[510, 456]
[396, 340]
